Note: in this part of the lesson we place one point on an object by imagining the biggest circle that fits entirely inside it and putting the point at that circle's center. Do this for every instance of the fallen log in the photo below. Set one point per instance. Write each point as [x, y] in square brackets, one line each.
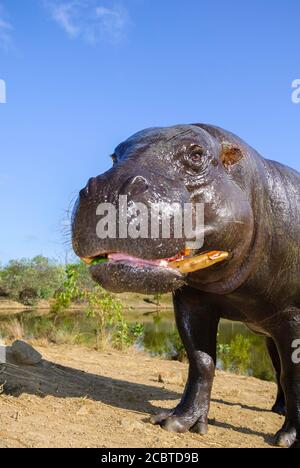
[25, 371]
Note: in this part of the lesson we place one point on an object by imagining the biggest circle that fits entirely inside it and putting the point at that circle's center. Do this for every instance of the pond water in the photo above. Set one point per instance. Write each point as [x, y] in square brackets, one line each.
[239, 350]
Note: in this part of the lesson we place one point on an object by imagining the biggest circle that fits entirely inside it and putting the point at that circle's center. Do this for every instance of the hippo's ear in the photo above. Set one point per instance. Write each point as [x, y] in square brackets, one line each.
[230, 154]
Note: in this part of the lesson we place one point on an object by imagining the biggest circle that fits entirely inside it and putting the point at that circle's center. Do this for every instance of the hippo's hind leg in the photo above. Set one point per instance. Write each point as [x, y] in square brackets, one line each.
[198, 325]
[279, 406]
[287, 336]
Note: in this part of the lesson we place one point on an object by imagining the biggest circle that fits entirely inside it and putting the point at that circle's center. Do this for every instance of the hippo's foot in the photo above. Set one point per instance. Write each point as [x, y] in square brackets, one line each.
[287, 437]
[174, 421]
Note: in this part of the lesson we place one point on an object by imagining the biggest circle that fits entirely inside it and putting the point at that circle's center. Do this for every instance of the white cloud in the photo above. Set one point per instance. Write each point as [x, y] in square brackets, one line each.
[91, 20]
[5, 30]
[63, 15]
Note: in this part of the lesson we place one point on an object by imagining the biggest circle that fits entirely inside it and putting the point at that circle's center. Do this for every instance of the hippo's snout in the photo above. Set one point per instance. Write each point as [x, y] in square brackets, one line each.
[103, 225]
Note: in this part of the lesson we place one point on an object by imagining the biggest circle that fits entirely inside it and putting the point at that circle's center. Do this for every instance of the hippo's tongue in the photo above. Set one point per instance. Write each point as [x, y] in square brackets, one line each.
[120, 257]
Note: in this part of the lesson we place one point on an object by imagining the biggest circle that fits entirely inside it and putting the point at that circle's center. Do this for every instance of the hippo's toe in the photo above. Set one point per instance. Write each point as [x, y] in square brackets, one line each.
[173, 422]
[200, 428]
[159, 418]
[286, 438]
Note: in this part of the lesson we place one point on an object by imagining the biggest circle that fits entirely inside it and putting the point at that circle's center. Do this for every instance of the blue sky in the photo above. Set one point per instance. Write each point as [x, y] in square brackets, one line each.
[82, 75]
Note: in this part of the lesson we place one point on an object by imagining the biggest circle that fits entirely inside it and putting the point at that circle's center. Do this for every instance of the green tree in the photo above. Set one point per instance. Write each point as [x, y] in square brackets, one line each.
[29, 280]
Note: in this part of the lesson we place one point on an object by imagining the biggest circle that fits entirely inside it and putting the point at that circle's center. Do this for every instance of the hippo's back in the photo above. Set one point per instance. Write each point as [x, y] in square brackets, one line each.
[284, 193]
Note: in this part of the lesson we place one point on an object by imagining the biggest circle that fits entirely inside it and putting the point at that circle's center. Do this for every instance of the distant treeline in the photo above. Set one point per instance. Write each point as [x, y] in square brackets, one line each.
[31, 280]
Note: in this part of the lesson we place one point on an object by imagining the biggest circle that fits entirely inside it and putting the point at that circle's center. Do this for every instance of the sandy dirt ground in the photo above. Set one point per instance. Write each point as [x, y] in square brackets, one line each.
[117, 392]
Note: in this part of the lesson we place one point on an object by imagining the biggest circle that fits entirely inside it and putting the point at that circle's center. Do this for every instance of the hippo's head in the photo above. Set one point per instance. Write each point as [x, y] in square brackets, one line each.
[178, 166]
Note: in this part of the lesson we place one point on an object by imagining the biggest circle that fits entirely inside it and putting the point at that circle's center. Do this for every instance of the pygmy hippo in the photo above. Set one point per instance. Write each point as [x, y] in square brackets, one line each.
[251, 210]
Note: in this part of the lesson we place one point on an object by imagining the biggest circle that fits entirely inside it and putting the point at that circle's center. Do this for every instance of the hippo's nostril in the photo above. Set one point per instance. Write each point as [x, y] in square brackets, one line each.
[135, 186]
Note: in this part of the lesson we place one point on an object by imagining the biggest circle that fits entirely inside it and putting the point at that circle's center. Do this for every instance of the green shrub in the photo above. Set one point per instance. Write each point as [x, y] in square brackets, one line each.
[236, 357]
[100, 305]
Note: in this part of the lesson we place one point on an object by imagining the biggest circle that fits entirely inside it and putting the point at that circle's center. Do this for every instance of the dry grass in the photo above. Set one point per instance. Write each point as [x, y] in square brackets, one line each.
[14, 330]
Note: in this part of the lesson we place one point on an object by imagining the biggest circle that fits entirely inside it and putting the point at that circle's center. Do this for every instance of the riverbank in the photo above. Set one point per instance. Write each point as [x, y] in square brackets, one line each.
[129, 301]
[111, 405]
[8, 306]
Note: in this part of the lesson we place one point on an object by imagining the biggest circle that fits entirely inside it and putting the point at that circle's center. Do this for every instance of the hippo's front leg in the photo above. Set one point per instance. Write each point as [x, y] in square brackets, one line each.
[198, 326]
[279, 406]
[287, 336]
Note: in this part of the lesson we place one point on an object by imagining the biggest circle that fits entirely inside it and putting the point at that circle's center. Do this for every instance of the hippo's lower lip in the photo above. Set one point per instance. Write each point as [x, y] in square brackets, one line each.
[144, 278]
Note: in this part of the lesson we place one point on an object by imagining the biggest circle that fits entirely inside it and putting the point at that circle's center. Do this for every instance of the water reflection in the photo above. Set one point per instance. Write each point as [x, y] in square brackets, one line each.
[238, 349]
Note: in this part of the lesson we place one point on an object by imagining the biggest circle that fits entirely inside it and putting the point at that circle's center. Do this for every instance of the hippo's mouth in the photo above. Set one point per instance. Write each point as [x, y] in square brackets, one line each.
[119, 257]
[120, 272]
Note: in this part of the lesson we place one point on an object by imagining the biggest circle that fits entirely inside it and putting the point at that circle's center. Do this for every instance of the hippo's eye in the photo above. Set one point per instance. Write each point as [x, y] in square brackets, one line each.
[196, 154]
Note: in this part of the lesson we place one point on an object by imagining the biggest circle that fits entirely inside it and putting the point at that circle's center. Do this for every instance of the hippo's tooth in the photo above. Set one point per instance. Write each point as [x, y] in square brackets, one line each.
[187, 252]
[88, 261]
[200, 262]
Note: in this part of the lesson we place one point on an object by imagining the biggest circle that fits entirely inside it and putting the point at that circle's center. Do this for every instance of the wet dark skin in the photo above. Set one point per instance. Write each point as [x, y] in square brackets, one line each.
[252, 211]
